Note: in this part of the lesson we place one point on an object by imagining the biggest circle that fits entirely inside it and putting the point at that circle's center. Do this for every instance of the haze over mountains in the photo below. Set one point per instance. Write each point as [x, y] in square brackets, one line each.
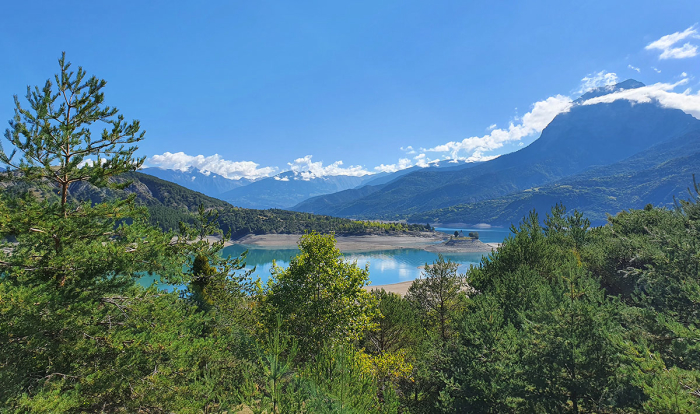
[207, 182]
[585, 138]
[287, 189]
[599, 158]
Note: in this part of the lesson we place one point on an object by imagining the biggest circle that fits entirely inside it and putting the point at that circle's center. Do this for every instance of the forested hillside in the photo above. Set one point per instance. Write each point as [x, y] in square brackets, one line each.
[585, 137]
[169, 204]
[655, 176]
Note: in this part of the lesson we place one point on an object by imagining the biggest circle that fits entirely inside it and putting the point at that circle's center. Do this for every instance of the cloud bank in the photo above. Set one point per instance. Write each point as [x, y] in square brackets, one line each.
[597, 80]
[234, 170]
[307, 170]
[471, 149]
[658, 92]
[668, 45]
[390, 168]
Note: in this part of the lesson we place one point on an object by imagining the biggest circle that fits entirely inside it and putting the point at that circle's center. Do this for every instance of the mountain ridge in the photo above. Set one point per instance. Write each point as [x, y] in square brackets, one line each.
[655, 176]
[583, 138]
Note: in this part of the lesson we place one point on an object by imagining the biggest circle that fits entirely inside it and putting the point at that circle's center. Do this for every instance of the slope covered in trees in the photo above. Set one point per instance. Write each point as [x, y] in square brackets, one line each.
[561, 318]
[654, 176]
[585, 137]
[169, 204]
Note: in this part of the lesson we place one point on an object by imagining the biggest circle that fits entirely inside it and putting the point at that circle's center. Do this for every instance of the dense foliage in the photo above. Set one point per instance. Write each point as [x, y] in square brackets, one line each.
[561, 318]
[169, 204]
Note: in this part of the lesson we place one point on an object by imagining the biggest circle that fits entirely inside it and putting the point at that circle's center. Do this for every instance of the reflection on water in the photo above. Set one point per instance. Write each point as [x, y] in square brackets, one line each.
[385, 266]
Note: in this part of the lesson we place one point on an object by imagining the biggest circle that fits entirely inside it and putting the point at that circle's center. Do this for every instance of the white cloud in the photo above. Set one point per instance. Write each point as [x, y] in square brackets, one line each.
[634, 68]
[597, 80]
[278, 178]
[491, 127]
[666, 45]
[656, 70]
[472, 149]
[306, 169]
[390, 168]
[408, 150]
[477, 156]
[658, 92]
[234, 170]
[684, 75]
[423, 161]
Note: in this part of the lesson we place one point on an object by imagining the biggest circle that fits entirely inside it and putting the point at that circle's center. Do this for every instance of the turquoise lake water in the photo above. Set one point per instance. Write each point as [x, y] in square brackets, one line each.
[385, 266]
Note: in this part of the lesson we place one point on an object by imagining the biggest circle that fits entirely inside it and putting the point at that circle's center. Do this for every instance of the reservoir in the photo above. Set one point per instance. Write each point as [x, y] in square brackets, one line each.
[385, 266]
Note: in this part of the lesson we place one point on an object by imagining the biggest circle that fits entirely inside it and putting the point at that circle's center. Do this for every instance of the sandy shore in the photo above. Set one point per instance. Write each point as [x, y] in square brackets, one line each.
[463, 246]
[344, 243]
[347, 244]
[399, 288]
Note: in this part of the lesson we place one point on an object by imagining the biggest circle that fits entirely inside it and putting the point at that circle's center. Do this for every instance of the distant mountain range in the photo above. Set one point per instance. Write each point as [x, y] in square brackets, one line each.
[573, 150]
[287, 189]
[599, 158]
[207, 183]
[284, 190]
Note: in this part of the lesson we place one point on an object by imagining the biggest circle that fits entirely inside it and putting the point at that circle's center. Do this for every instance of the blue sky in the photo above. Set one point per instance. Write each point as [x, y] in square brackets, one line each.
[345, 87]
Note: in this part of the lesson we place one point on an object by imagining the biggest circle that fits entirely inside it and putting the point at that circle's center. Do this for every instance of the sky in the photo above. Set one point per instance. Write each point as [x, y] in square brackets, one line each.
[253, 88]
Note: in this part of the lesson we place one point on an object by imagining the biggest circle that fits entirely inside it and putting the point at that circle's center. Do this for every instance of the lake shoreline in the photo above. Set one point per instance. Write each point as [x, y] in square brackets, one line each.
[400, 288]
[346, 244]
[431, 242]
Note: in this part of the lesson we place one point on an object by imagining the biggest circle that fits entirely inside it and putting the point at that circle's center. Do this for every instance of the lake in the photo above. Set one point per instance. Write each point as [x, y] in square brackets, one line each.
[385, 266]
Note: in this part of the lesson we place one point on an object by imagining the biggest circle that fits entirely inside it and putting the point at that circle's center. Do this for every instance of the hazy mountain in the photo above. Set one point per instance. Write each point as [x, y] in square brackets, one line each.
[288, 189]
[206, 183]
[328, 201]
[655, 176]
[169, 204]
[605, 90]
[586, 137]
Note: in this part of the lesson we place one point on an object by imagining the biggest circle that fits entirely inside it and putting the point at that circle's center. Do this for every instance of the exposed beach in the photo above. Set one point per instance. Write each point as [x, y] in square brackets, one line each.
[463, 245]
[399, 288]
[431, 242]
[345, 243]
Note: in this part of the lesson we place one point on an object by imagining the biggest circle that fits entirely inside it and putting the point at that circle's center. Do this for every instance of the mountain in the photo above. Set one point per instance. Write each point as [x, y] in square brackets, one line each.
[288, 189]
[204, 182]
[169, 203]
[605, 90]
[654, 176]
[585, 137]
[328, 201]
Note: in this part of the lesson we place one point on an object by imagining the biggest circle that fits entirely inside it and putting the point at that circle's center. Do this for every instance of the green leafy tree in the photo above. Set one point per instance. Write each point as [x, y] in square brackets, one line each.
[320, 296]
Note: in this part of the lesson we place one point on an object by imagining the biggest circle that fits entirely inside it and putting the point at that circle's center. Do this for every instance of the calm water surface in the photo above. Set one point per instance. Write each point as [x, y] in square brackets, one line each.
[385, 266]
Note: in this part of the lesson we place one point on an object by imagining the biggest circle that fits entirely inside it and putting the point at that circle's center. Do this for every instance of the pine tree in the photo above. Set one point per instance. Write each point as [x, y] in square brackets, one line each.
[68, 268]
